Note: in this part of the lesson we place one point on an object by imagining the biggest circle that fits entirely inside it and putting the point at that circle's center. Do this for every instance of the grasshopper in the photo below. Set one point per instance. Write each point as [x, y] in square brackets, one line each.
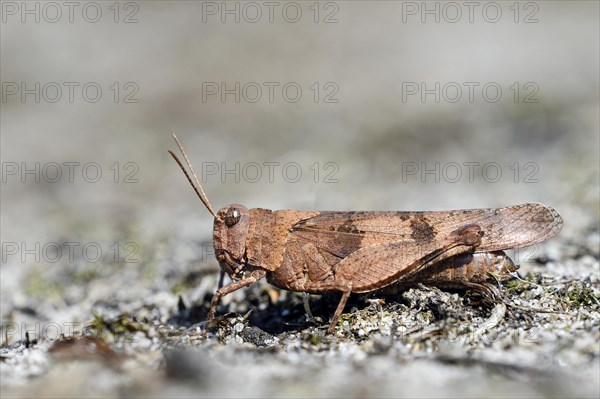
[359, 252]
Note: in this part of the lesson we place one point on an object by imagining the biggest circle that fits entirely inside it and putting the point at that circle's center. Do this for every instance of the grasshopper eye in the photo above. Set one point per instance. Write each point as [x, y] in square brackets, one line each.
[232, 216]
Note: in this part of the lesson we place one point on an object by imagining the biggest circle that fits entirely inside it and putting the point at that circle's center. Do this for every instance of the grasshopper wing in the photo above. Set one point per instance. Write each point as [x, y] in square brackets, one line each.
[343, 233]
[378, 265]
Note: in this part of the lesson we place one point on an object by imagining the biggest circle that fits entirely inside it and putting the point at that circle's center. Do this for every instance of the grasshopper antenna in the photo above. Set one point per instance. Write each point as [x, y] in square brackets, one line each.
[200, 192]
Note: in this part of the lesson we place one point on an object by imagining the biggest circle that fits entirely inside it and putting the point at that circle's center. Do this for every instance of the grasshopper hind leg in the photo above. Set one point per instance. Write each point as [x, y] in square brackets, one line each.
[488, 291]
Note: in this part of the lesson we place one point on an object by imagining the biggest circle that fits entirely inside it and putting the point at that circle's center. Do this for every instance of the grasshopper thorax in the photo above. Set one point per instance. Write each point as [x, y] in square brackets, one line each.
[229, 238]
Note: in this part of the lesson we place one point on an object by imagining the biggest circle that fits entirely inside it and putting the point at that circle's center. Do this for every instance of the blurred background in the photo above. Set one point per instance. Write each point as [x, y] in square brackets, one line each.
[346, 105]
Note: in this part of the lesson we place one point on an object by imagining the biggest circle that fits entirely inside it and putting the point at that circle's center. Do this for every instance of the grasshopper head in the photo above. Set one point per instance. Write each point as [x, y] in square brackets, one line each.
[230, 228]
[229, 232]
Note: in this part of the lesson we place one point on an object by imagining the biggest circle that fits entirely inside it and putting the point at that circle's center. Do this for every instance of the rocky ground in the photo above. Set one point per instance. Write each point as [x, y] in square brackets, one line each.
[132, 338]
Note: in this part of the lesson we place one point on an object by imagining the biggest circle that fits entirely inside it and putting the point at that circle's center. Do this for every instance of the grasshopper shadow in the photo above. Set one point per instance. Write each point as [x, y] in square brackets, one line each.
[290, 315]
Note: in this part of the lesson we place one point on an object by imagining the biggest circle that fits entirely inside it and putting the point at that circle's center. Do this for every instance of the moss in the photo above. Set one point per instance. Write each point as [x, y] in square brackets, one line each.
[119, 329]
[315, 339]
[578, 295]
[37, 284]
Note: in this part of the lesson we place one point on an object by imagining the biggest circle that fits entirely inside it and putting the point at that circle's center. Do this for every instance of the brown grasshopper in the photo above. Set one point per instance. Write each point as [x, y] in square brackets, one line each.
[360, 252]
